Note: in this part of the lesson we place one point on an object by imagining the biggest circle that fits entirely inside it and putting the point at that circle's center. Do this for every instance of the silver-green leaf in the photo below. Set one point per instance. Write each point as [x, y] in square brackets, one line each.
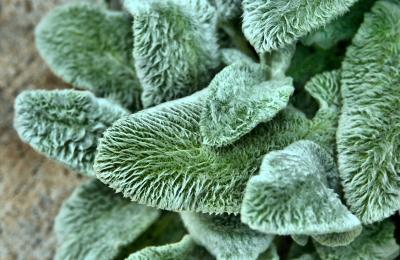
[91, 48]
[65, 125]
[96, 223]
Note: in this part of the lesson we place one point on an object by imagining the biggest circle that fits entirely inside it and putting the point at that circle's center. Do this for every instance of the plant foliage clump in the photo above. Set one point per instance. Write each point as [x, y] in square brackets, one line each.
[271, 126]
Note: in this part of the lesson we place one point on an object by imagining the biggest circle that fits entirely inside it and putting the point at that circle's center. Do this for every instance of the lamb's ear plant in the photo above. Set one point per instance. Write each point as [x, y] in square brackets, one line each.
[293, 154]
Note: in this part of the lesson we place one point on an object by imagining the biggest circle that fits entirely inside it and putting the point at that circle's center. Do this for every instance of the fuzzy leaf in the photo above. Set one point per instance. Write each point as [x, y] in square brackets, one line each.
[338, 239]
[65, 125]
[375, 242]
[175, 47]
[369, 127]
[342, 28]
[227, 9]
[185, 249]
[301, 240]
[91, 48]
[225, 236]
[238, 100]
[325, 89]
[270, 254]
[231, 55]
[156, 156]
[96, 223]
[272, 24]
[293, 195]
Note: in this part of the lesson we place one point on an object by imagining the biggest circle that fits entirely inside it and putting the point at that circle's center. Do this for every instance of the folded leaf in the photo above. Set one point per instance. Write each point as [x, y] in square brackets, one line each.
[369, 126]
[175, 47]
[96, 223]
[272, 24]
[338, 239]
[65, 125]
[225, 236]
[91, 48]
[238, 100]
[342, 28]
[293, 194]
[375, 242]
[227, 9]
[185, 249]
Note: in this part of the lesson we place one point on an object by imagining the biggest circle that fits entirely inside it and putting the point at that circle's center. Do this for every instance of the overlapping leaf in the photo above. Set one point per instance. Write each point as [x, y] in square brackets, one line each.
[294, 194]
[375, 242]
[227, 9]
[272, 24]
[185, 249]
[175, 47]
[92, 49]
[238, 100]
[225, 236]
[97, 223]
[156, 156]
[369, 127]
[65, 125]
[231, 56]
[338, 239]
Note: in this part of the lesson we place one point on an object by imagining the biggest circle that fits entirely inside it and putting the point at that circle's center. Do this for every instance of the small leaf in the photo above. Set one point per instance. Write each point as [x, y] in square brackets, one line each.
[270, 254]
[91, 48]
[375, 242]
[238, 100]
[225, 236]
[272, 24]
[185, 249]
[65, 125]
[96, 223]
[175, 47]
[227, 9]
[342, 28]
[338, 239]
[293, 195]
[369, 126]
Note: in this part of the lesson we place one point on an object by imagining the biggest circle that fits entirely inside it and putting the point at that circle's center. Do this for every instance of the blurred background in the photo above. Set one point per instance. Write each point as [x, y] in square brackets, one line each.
[32, 187]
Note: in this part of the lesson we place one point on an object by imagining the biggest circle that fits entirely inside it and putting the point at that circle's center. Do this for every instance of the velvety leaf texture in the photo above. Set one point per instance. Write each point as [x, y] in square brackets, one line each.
[238, 100]
[96, 223]
[91, 48]
[342, 28]
[156, 156]
[175, 47]
[272, 24]
[369, 128]
[292, 194]
[185, 249]
[65, 125]
[375, 242]
[301, 240]
[225, 236]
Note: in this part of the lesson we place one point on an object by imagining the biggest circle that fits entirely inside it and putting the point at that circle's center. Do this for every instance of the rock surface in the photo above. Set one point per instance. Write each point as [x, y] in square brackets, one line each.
[32, 187]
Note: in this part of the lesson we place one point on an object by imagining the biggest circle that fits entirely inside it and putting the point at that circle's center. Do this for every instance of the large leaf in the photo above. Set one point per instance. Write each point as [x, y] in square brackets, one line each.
[369, 127]
[185, 249]
[175, 47]
[96, 223]
[239, 98]
[225, 236]
[156, 156]
[92, 49]
[375, 242]
[65, 125]
[273, 24]
[294, 194]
